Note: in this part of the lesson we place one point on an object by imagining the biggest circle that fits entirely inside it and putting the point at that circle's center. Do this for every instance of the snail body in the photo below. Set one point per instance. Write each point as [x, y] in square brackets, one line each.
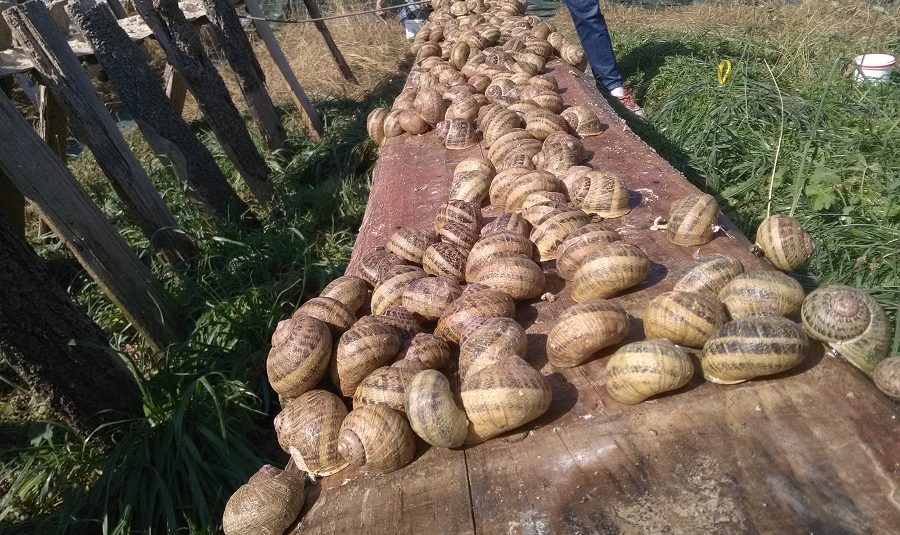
[376, 437]
[307, 429]
[583, 329]
[609, 270]
[644, 369]
[360, 351]
[688, 319]
[710, 275]
[762, 291]
[784, 242]
[266, 505]
[432, 411]
[301, 350]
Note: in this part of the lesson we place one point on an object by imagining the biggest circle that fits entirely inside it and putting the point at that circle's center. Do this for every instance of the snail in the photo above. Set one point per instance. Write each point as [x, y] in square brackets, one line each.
[692, 220]
[349, 290]
[644, 369]
[375, 125]
[508, 221]
[503, 396]
[554, 229]
[557, 158]
[301, 350]
[571, 253]
[376, 437]
[401, 321]
[688, 319]
[374, 264]
[609, 270]
[480, 82]
[482, 302]
[410, 243]
[412, 123]
[389, 292]
[606, 196]
[392, 126]
[512, 144]
[445, 259]
[849, 321]
[762, 291]
[574, 56]
[753, 346]
[432, 411]
[784, 242]
[362, 349]
[887, 377]
[332, 312]
[503, 181]
[540, 123]
[266, 505]
[385, 385]
[583, 329]
[582, 121]
[497, 124]
[548, 100]
[456, 134]
[429, 296]
[463, 235]
[524, 185]
[547, 82]
[474, 165]
[488, 340]
[458, 211]
[459, 54]
[433, 352]
[307, 428]
[516, 275]
[711, 274]
[495, 245]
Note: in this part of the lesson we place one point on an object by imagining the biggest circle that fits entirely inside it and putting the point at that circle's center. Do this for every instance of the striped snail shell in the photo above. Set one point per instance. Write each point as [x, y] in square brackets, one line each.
[458, 211]
[784, 242]
[527, 91]
[503, 396]
[385, 386]
[374, 264]
[522, 108]
[762, 291]
[610, 270]
[412, 123]
[392, 126]
[554, 229]
[485, 114]
[558, 158]
[541, 197]
[540, 123]
[307, 428]
[332, 312]
[644, 369]
[349, 290]
[499, 123]
[574, 56]
[483, 303]
[528, 62]
[471, 187]
[540, 47]
[753, 346]
[688, 319]
[536, 213]
[460, 92]
[389, 292]
[710, 275]
[428, 50]
[549, 100]
[480, 82]
[498, 88]
[567, 140]
[460, 54]
[849, 321]
[508, 221]
[542, 29]
[463, 235]
[607, 195]
[503, 181]
[266, 505]
[432, 410]
[583, 329]
[445, 259]
[572, 252]
[547, 82]
[375, 125]
[429, 296]
[556, 39]
[360, 351]
[474, 165]
[513, 142]
[456, 134]
[572, 175]
[887, 377]
[378, 438]
[517, 275]
[411, 365]
[410, 243]
[405, 100]
[301, 350]
[430, 350]
[495, 245]
[487, 341]
[692, 220]
[583, 121]
[531, 182]
[464, 108]
[401, 321]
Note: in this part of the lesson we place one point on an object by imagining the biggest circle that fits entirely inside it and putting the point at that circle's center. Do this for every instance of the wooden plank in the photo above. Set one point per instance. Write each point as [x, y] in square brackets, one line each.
[117, 9]
[301, 101]
[231, 41]
[181, 43]
[45, 180]
[813, 450]
[12, 205]
[62, 74]
[5, 33]
[166, 132]
[175, 89]
[53, 127]
[315, 13]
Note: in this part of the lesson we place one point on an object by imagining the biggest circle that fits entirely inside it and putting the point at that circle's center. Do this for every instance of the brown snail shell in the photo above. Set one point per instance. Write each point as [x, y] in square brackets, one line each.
[374, 264]
[512, 142]
[482, 167]
[432, 410]
[392, 126]
[307, 428]
[784, 242]
[413, 123]
[554, 229]
[608, 271]
[301, 350]
[549, 100]
[430, 350]
[525, 185]
[429, 296]
[375, 125]
[349, 290]
[463, 235]
[499, 123]
[470, 187]
[556, 39]
[517, 275]
[540, 47]
[572, 252]
[456, 134]
[558, 157]
[572, 175]
[266, 505]
[360, 351]
[483, 303]
[465, 108]
[385, 385]
[574, 56]
[377, 437]
[445, 259]
[584, 329]
[332, 312]
[540, 123]
[389, 292]
[849, 321]
[710, 275]
[480, 82]
[405, 100]
[762, 291]
[582, 121]
[547, 82]
[887, 377]
[607, 196]
[410, 243]
[688, 319]
[508, 221]
[502, 183]
[428, 50]
[644, 369]
[458, 211]
[503, 396]
[522, 108]
[692, 220]
[489, 340]
[459, 55]
[495, 245]
[753, 346]
[403, 322]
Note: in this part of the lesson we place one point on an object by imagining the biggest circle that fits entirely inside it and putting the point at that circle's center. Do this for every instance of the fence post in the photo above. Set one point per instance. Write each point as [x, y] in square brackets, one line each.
[163, 128]
[62, 74]
[53, 127]
[229, 37]
[175, 89]
[313, 122]
[313, 9]
[181, 43]
[44, 179]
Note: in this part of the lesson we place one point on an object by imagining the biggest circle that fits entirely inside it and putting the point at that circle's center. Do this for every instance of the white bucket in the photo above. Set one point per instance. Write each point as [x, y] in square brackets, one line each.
[874, 67]
[412, 27]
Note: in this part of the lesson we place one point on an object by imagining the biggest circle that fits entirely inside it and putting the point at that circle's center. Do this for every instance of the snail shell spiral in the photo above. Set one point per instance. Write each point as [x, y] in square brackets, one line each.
[307, 428]
[375, 125]
[762, 291]
[377, 437]
[301, 350]
[432, 411]
[784, 242]
[688, 319]
[710, 275]
[584, 329]
[582, 121]
[644, 369]
[609, 270]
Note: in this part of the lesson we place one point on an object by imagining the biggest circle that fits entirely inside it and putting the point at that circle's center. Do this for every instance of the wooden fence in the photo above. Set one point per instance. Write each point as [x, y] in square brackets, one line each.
[53, 66]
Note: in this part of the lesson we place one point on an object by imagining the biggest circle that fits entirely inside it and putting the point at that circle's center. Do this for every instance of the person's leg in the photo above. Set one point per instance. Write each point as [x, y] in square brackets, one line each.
[594, 36]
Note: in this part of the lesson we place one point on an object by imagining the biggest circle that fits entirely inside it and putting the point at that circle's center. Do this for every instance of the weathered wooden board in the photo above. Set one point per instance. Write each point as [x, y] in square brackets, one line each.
[814, 450]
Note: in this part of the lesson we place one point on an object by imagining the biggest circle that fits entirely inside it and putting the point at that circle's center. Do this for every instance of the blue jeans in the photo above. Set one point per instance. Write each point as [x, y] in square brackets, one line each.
[594, 35]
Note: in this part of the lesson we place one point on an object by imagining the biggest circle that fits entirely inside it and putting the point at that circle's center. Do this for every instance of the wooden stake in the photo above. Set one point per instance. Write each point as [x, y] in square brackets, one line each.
[313, 9]
[53, 127]
[45, 180]
[175, 89]
[61, 71]
[313, 122]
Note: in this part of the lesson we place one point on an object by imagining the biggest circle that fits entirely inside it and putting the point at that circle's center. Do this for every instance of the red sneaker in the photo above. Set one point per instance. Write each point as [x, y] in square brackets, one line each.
[628, 102]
